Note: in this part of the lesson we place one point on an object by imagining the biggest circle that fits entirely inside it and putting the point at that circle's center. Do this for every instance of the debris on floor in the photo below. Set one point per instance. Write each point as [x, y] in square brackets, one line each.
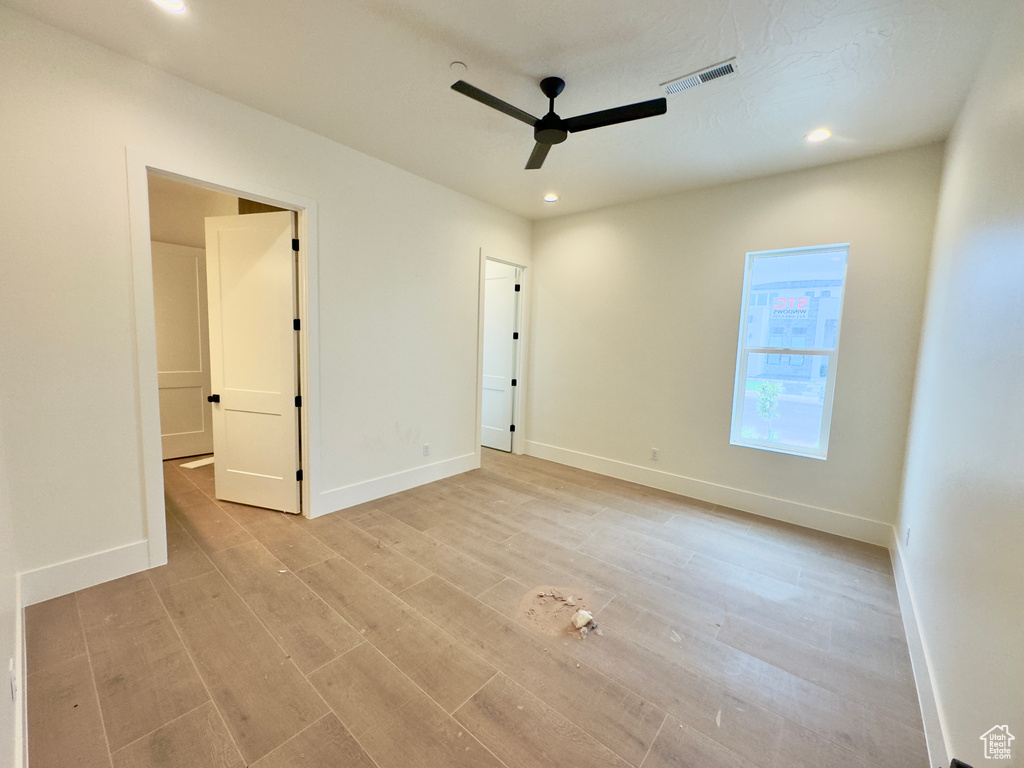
[584, 622]
[549, 610]
[580, 619]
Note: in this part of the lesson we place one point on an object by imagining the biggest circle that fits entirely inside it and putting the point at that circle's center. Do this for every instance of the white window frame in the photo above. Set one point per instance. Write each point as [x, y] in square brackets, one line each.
[743, 351]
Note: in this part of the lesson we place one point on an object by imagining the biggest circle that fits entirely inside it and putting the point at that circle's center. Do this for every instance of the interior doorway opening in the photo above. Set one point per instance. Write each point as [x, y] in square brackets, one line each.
[226, 307]
[500, 356]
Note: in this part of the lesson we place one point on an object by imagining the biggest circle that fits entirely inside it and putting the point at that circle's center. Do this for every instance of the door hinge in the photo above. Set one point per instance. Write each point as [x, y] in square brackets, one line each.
[298, 475]
[517, 287]
[515, 334]
[513, 382]
[512, 428]
[295, 243]
[296, 324]
[298, 401]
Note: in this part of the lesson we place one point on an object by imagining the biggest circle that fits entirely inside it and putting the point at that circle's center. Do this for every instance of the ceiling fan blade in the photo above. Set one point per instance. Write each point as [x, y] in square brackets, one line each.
[540, 151]
[493, 102]
[616, 115]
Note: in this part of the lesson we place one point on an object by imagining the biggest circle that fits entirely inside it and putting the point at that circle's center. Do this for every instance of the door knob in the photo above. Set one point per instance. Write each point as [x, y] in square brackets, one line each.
[213, 399]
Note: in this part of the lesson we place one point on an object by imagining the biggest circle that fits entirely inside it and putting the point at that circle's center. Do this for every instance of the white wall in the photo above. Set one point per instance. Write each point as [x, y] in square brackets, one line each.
[635, 318]
[177, 212]
[963, 497]
[398, 288]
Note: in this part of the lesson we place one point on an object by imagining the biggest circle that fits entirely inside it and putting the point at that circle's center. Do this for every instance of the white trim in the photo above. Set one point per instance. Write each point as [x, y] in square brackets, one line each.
[481, 290]
[930, 716]
[818, 518]
[21, 665]
[72, 575]
[139, 164]
[379, 487]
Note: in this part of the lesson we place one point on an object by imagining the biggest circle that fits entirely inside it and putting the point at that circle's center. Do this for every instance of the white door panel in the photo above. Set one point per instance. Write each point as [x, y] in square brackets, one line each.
[182, 349]
[251, 277]
[499, 356]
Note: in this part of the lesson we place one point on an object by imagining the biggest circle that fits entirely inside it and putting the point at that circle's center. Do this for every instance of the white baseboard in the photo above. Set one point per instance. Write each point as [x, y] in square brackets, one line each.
[933, 732]
[72, 575]
[378, 488]
[818, 518]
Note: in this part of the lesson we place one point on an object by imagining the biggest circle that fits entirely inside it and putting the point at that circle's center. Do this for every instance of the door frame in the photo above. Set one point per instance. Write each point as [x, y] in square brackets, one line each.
[519, 363]
[139, 165]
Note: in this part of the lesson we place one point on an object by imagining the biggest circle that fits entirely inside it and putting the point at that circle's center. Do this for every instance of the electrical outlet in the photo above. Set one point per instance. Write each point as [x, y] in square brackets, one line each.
[654, 454]
[907, 540]
[426, 449]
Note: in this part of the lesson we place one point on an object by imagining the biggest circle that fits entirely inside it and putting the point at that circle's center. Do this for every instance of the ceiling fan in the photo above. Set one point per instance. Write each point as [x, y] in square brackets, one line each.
[552, 129]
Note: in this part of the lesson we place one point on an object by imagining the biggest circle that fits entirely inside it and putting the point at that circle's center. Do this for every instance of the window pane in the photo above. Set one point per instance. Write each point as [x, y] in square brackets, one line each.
[784, 408]
[802, 289]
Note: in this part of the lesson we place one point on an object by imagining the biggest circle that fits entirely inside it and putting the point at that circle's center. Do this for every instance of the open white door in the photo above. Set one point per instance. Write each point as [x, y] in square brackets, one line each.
[182, 349]
[251, 283]
[500, 312]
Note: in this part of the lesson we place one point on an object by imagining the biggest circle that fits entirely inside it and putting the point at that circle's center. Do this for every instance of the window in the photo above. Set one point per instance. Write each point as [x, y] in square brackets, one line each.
[786, 361]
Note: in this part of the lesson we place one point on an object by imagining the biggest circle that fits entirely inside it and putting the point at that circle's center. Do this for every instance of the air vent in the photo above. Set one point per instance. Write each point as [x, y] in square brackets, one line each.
[700, 77]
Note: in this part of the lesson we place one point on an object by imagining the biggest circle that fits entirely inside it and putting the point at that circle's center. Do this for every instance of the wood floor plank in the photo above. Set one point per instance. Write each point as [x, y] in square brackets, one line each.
[498, 556]
[385, 565]
[517, 482]
[683, 597]
[185, 558]
[325, 744]
[210, 526]
[679, 746]
[53, 633]
[304, 625]
[261, 695]
[440, 559]
[632, 556]
[174, 481]
[144, 676]
[65, 729]
[201, 477]
[746, 552]
[800, 748]
[555, 520]
[835, 672]
[446, 669]
[523, 731]
[619, 719]
[739, 723]
[761, 599]
[395, 722]
[836, 717]
[195, 740]
[292, 544]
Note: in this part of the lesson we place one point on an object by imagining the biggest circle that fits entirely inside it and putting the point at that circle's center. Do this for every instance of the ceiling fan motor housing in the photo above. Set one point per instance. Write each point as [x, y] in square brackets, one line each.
[549, 130]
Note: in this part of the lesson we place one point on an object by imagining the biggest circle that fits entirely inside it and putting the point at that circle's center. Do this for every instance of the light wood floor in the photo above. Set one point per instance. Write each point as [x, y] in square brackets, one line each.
[409, 632]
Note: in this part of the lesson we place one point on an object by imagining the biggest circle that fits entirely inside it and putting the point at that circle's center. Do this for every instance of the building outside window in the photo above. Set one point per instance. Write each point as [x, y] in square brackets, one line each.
[788, 347]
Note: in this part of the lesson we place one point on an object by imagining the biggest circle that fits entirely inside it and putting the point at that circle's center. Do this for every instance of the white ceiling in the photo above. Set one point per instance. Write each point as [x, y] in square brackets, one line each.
[375, 75]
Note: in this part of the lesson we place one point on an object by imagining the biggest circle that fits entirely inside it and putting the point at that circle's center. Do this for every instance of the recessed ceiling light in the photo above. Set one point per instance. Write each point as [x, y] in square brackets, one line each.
[818, 134]
[173, 6]
[551, 198]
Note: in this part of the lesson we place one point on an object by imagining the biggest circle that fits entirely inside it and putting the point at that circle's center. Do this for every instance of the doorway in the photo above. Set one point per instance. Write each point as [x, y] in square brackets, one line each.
[302, 218]
[500, 354]
[224, 279]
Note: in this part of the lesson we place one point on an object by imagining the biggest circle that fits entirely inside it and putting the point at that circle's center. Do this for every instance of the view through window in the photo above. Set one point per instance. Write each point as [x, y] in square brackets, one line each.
[789, 337]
